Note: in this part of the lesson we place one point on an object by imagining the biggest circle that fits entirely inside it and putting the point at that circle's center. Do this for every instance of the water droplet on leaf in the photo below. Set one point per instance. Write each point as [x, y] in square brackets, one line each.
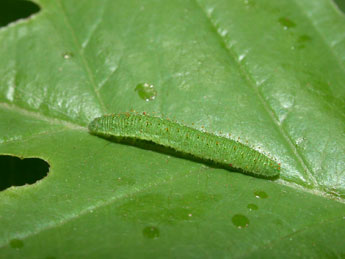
[260, 194]
[151, 232]
[252, 206]
[146, 91]
[67, 55]
[240, 221]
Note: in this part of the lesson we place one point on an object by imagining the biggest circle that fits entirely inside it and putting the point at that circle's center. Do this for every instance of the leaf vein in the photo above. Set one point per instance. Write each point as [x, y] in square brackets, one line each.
[93, 28]
[71, 217]
[275, 242]
[85, 62]
[335, 55]
[246, 75]
[39, 116]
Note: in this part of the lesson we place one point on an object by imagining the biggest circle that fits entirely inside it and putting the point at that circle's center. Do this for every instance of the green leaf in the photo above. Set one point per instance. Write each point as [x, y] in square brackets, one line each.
[270, 73]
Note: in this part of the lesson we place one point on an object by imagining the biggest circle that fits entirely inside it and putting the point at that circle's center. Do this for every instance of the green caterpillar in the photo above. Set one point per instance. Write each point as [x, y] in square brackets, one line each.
[184, 139]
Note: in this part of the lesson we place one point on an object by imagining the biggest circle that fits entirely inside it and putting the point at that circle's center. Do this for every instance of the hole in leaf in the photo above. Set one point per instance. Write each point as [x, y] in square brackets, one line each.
[15, 171]
[13, 10]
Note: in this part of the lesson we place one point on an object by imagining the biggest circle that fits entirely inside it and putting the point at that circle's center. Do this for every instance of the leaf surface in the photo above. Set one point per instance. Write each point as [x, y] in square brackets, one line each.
[270, 73]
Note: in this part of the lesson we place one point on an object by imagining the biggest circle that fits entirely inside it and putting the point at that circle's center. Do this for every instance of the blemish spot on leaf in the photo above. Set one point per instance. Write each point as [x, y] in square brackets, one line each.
[17, 172]
[302, 40]
[286, 23]
[158, 209]
[151, 232]
[16, 243]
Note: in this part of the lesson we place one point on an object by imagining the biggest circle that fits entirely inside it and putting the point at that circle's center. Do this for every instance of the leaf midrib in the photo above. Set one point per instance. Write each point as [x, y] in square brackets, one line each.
[247, 77]
[73, 126]
[40, 116]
